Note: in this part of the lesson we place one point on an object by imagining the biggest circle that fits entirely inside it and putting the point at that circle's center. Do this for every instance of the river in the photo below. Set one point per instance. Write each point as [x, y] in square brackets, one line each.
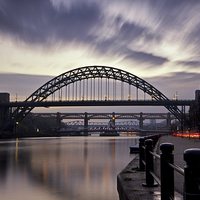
[63, 168]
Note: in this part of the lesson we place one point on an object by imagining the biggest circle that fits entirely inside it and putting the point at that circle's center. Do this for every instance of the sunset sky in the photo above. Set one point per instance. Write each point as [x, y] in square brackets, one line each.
[157, 40]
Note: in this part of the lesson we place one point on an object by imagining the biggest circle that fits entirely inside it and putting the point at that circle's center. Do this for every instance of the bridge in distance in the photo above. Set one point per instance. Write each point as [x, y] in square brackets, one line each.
[114, 117]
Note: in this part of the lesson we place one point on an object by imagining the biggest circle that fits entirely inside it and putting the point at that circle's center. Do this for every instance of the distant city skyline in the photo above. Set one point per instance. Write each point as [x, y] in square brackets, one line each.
[158, 41]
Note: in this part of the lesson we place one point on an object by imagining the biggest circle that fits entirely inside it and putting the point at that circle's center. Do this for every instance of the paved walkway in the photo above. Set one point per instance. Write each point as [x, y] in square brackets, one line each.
[180, 145]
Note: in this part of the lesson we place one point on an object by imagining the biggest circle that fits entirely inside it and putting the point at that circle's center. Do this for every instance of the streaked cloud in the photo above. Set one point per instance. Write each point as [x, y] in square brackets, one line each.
[149, 38]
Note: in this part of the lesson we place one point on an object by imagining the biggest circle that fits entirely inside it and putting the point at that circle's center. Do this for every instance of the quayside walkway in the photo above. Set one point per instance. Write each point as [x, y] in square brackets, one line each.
[129, 181]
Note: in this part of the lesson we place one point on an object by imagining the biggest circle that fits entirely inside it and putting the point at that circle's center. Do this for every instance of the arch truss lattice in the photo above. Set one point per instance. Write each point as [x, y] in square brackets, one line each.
[91, 72]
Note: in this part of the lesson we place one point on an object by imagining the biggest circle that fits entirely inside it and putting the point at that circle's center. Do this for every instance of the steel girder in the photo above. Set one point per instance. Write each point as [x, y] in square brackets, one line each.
[103, 115]
[88, 72]
[81, 123]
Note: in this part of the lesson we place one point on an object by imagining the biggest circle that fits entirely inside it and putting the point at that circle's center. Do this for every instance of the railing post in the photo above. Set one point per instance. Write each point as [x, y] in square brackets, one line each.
[141, 155]
[149, 164]
[192, 174]
[167, 172]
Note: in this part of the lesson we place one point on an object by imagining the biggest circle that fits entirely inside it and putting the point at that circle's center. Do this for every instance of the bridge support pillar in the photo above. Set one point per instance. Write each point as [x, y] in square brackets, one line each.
[141, 119]
[113, 118]
[86, 123]
[168, 121]
[58, 119]
[183, 118]
[4, 111]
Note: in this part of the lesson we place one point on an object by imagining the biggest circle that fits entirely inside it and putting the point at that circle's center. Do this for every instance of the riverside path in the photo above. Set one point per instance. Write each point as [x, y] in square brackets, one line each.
[130, 180]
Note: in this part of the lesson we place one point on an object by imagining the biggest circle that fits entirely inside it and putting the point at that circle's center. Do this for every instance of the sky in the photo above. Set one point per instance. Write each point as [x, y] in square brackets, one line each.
[159, 41]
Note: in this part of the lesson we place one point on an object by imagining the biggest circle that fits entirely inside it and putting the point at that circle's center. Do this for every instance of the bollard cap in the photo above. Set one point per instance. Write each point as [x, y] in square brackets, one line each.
[166, 147]
[141, 139]
[192, 156]
[149, 142]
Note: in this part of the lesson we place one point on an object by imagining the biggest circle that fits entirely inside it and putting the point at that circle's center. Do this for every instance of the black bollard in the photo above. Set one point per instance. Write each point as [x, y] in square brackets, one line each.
[192, 174]
[167, 172]
[149, 164]
[141, 155]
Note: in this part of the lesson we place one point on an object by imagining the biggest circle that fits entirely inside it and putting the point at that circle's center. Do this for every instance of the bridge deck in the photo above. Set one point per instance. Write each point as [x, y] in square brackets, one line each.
[97, 103]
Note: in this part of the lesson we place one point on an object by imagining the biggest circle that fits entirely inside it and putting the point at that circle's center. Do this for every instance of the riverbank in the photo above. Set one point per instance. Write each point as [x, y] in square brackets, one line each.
[129, 181]
[41, 134]
[129, 184]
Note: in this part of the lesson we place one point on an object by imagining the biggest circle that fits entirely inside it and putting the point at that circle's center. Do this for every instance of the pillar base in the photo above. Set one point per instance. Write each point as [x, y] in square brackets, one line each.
[150, 185]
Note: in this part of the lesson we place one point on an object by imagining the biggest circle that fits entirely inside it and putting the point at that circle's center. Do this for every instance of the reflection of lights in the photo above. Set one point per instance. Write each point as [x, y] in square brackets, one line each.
[16, 150]
[113, 149]
[44, 171]
[25, 172]
[106, 175]
[66, 171]
[87, 172]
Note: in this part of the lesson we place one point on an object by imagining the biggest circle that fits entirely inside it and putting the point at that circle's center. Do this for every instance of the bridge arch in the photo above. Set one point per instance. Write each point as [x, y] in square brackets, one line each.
[89, 72]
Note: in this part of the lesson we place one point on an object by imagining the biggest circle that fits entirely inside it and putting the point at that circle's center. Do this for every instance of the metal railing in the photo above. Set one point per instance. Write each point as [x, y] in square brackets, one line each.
[191, 172]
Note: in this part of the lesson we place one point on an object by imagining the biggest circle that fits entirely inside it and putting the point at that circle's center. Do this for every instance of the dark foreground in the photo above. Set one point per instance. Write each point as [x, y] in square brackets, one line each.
[129, 181]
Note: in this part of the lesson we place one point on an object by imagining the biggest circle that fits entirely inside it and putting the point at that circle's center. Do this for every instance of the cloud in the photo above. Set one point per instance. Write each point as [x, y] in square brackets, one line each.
[147, 58]
[194, 64]
[182, 82]
[21, 84]
[39, 22]
[159, 36]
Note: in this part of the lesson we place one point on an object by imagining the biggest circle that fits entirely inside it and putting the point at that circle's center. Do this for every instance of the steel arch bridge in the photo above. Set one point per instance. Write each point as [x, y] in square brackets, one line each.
[83, 74]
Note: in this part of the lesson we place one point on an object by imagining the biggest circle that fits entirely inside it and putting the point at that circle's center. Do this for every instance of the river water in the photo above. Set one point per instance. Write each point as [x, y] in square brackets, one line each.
[80, 168]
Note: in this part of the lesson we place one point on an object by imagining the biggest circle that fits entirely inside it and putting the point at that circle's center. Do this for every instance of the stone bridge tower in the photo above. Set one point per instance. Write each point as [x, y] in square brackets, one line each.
[4, 111]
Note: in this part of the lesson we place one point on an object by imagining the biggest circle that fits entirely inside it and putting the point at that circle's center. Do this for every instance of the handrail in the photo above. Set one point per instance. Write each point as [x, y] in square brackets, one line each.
[155, 154]
[155, 177]
[143, 161]
[177, 168]
[191, 171]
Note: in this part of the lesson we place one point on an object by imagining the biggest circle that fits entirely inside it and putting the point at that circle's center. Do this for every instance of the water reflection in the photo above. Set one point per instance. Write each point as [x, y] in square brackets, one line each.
[62, 168]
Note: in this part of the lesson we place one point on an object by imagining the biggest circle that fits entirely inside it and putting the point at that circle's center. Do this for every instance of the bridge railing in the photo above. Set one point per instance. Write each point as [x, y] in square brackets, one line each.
[191, 172]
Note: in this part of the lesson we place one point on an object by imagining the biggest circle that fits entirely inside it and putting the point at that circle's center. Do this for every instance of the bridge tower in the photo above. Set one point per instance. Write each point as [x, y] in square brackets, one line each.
[141, 119]
[4, 111]
[113, 118]
[86, 123]
[168, 121]
[58, 119]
